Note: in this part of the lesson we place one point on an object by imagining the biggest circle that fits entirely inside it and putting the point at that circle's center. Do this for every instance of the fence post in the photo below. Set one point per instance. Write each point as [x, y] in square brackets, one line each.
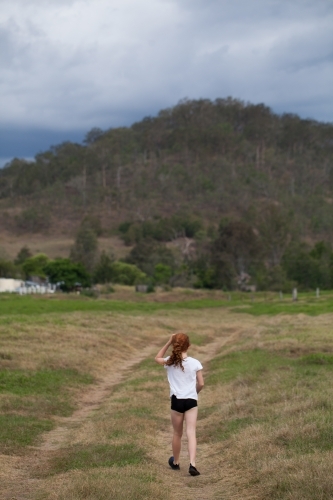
[281, 296]
[294, 294]
[317, 293]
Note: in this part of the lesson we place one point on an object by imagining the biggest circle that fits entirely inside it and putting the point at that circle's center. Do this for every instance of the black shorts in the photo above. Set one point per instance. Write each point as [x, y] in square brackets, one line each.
[182, 405]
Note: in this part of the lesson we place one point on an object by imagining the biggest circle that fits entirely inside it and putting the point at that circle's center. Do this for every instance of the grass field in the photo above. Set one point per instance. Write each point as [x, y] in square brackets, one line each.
[84, 411]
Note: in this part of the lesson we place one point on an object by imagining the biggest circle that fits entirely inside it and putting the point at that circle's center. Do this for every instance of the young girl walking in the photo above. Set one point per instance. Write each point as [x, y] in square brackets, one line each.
[186, 381]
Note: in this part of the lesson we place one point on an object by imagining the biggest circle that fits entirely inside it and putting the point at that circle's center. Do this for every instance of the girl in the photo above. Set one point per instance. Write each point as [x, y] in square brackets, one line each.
[186, 381]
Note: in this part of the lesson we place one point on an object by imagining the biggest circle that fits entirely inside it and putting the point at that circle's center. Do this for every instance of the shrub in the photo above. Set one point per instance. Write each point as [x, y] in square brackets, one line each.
[33, 220]
[67, 273]
[110, 271]
[162, 274]
[126, 274]
[163, 229]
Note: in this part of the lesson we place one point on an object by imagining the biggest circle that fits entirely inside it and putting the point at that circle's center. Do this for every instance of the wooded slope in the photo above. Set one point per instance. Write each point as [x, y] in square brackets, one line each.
[207, 159]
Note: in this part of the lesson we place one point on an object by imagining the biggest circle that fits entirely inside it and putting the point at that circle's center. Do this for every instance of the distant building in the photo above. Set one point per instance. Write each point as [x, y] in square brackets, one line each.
[25, 287]
[10, 285]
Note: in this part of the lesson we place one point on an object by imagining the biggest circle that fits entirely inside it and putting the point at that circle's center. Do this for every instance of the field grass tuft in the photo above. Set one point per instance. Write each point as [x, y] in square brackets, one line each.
[6, 356]
[46, 382]
[250, 365]
[95, 455]
[18, 431]
[317, 358]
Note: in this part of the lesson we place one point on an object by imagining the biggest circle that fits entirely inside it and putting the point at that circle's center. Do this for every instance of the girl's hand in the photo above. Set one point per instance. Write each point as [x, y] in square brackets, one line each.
[172, 338]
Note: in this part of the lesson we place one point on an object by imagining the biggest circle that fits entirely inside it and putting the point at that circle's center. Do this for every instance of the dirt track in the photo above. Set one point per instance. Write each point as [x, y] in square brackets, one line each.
[17, 474]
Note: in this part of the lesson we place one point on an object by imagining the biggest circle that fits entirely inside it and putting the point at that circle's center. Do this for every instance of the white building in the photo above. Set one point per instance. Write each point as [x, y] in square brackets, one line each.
[10, 285]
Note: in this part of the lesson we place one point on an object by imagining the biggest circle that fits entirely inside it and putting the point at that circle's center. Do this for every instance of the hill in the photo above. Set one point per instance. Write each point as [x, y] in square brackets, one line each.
[245, 183]
[209, 159]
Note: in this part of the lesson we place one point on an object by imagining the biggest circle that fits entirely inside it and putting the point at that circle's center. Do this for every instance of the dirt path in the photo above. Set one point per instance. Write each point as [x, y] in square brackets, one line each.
[217, 479]
[15, 476]
[18, 483]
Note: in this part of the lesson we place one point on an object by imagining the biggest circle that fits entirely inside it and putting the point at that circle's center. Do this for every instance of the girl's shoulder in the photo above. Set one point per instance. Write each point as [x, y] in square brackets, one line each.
[194, 361]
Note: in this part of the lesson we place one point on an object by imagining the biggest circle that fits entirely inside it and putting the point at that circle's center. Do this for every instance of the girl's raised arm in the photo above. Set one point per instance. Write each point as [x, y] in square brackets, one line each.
[159, 358]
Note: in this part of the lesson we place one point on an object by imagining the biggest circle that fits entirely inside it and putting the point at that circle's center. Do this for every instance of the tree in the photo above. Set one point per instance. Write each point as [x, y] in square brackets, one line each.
[275, 228]
[67, 274]
[104, 270]
[23, 255]
[84, 250]
[8, 269]
[92, 222]
[93, 135]
[162, 274]
[214, 270]
[236, 245]
[148, 253]
[35, 266]
[305, 268]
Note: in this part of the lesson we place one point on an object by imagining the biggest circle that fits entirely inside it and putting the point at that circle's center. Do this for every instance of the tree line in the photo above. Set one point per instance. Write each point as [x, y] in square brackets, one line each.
[233, 256]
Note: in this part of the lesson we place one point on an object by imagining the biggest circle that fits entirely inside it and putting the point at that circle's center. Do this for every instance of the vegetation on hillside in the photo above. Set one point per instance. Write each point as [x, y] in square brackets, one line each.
[248, 192]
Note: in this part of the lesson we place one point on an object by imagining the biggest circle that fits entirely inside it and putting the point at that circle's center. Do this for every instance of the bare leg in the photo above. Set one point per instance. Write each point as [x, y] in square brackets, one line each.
[191, 423]
[177, 420]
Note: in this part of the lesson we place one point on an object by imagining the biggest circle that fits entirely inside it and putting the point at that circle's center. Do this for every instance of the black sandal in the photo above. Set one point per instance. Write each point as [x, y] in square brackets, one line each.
[172, 465]
[193, 471]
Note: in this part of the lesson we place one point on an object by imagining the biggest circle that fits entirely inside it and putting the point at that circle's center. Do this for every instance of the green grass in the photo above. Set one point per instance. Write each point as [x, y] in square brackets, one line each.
[225, 429]
[198, 339]
[37, 405]
[321, 440]
[260, 304]
[141, 412]
[317, 358]
[43, 392]
[305, 305]
[18, 431]
[45, 382]
[281, 379]
[106, 484]
[92, 456]
[251, 365]
[34, 305]
[150, 364]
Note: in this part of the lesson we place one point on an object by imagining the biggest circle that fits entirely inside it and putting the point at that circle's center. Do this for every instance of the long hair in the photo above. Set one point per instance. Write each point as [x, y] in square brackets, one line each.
[180, 344]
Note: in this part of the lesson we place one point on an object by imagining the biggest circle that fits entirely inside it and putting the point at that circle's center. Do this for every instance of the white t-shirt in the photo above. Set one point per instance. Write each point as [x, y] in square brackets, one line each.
[183, 383]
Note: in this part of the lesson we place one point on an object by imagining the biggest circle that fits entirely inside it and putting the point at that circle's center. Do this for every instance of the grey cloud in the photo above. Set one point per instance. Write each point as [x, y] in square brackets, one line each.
[75, 64]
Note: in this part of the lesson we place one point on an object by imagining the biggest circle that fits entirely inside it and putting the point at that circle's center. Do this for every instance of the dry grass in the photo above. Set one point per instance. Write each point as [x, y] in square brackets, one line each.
[264, 415]
[56, 245]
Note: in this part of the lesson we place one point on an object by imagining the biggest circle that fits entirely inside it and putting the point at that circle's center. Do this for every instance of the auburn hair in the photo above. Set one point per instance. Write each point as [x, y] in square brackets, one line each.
[180, 344]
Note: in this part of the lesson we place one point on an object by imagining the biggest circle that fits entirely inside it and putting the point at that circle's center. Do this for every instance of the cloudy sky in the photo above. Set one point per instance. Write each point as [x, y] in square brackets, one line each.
[70, 65]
